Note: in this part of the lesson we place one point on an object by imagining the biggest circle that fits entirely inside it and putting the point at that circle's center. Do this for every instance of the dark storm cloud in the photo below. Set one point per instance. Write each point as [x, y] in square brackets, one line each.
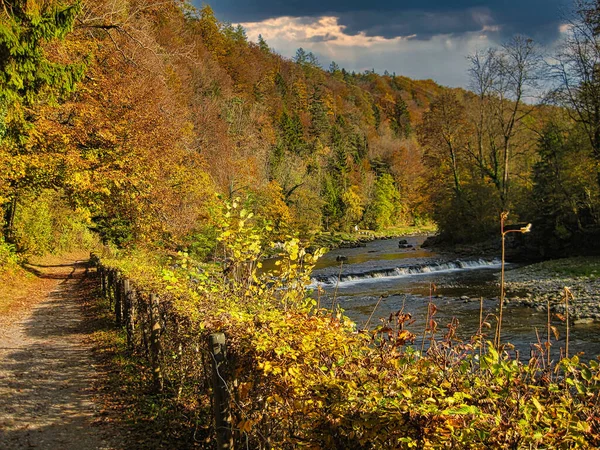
[244, 10]
[390, 18]
[322, 38]
[423, 24]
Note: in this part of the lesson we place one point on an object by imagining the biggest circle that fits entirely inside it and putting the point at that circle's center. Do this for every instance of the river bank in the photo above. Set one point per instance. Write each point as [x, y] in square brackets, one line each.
[538, 284]
[360, 238]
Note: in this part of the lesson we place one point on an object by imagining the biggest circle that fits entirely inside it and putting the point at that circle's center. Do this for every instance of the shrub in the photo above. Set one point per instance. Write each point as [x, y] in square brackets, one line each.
[8, 255]
[44, 223]
[301, 376]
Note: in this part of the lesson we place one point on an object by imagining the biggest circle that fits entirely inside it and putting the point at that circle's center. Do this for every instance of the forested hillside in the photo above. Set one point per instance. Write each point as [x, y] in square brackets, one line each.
[137, 113]
[129, 117]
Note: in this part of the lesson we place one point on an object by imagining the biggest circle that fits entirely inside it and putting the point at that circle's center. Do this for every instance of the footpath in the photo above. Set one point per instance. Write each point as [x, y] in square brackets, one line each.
[47, 369]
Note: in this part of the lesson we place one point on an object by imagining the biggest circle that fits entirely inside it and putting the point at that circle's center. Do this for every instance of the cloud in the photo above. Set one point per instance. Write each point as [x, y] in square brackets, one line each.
[424, 18]
[322, 38]
[306, 30]
[420, 23]
[565, 28]
[417, 38]
[441, 57]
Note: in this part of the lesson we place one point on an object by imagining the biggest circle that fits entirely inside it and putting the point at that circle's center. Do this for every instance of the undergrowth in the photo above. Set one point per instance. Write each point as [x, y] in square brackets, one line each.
[301, 376]
[8, 256]
[151, 420]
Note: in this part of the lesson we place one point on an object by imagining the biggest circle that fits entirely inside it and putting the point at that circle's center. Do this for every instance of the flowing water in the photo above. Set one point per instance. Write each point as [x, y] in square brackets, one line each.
[404, 278]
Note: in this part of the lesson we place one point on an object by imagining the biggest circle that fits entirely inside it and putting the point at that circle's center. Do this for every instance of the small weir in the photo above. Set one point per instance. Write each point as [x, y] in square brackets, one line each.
[405, 271]
[406, 279]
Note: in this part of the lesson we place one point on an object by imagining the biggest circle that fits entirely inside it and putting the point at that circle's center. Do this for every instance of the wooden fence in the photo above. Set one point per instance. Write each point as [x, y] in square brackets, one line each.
[145, 319]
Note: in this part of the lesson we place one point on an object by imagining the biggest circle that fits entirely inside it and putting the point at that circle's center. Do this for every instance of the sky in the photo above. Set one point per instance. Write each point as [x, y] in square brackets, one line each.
[421, 39]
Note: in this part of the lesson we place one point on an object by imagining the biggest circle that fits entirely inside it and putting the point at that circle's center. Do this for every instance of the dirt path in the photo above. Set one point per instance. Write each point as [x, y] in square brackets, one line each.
[47, 370]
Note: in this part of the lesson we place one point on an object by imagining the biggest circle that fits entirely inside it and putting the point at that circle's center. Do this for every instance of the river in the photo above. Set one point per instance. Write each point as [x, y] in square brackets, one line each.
[404, 277]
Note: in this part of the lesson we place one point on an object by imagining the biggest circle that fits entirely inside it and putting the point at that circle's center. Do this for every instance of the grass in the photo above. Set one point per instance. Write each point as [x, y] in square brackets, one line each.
[17, 286]
[406, 230]
[577, 267]
[25, 284]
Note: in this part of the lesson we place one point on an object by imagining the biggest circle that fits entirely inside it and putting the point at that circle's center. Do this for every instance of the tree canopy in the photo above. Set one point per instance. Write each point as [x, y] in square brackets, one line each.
[141, 116]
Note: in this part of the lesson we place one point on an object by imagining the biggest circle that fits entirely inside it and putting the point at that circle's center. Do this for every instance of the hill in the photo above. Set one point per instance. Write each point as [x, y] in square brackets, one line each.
[170, 106]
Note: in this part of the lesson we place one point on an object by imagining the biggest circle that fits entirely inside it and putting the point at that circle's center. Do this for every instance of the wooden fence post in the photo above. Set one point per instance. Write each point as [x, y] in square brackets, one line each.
[105, 278]
[133, 315]
[155, 342]
[110, 287]
[102, 280]
[144, 321]
[128, 311]
[218, 352]
[118, 300]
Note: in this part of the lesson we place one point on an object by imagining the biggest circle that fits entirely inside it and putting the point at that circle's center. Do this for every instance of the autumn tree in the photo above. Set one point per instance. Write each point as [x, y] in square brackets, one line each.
[444, 135]
[577, 71]
[353, 207]
[28, 77]
[176, 104]
[382, 211]
[210, 30]
[502, 80]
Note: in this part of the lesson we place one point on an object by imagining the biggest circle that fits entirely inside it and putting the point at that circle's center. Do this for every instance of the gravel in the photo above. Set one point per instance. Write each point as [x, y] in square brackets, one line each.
[537, 285]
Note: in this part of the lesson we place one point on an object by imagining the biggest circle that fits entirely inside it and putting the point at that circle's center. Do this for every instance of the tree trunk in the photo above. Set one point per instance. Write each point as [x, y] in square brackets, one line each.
[10, 209]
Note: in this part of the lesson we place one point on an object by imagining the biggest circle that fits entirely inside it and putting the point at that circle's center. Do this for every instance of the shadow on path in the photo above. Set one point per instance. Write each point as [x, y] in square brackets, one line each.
[47, 373]
[54, 272]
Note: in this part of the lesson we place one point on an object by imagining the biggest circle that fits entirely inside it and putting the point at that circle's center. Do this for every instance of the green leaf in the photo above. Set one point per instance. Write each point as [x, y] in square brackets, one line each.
[586, 374]
[462, 410]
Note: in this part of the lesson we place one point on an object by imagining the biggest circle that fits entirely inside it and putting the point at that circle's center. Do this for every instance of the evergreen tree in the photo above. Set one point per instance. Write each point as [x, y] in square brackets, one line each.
[376, 114]
[400, 121]
[333, 208]
[281, 84]
[262, 44]
[312, 60]
[301, 57]
[292, 133]
[339, 162]
[565, 196]
[319, 125]
[240, 34]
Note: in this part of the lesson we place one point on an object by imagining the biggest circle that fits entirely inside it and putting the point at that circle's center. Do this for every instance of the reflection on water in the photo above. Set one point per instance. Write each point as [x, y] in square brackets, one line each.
[358, 256]
[456, 293]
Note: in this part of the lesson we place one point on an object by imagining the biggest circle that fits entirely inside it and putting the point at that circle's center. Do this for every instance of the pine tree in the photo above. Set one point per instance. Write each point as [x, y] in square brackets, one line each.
[312, 60]
[319, 125]
[401, 119]
[301, 57]
[262, 44]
